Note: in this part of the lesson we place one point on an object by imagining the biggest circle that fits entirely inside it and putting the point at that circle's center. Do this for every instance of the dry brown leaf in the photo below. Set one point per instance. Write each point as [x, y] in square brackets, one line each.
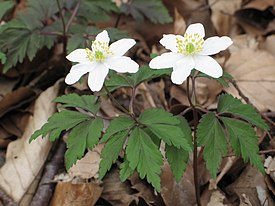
[254, 72]
[259, 4]
[269, 44]
[116, 192]
[24, 160]
[222, 14]
[15, 99]
[179, 23]
[6, 86]
[177, 194]
[252, 184]
[216, 199]
[69, 194]
[88, 166]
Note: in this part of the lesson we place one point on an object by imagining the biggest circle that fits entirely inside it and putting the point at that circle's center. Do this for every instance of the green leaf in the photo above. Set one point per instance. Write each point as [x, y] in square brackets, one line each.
[119, 124]
[165, 126]
[111, 151]
[229, 104]
[125, 170]
[59, 122]
[144, 156]
[5, 6]
[75, 41]
[244, 141]
[223, 80]
[154, 10]
[96, 10]
[146, 73]
[3, 58]
[85, 135]
[116, 81]
[29, 25]
[86, 102]
[157, 116]
[178, 157]
[94, 132]
[211, 136]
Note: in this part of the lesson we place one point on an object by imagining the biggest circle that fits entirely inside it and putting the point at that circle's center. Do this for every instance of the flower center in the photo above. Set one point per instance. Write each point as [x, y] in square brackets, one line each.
[100, 51]
[190, 44]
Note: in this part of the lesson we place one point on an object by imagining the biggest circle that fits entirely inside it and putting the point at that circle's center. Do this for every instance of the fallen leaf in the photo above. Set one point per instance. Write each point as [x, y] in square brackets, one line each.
[254, 73]
[216, 199]
[88, 166]
[179, 23]
[222, 14]
[23, 159]
[116, 192]
[251, 186]
[81, 194]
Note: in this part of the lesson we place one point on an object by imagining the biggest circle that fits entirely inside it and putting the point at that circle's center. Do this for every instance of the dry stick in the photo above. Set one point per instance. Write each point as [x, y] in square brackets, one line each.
[64, 36]
[195, 152]
[46, 186]
[7, 200]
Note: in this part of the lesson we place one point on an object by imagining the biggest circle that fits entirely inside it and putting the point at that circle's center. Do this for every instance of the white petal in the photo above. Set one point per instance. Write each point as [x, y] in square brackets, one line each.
[196, 28]
[165, 60]
[78, 55]
[122, 64]
[169, 41]
[97, 76]
[182, 70]
[215, 44]
[103, 37]
[77, 71]
[208, 65]
[121, 46]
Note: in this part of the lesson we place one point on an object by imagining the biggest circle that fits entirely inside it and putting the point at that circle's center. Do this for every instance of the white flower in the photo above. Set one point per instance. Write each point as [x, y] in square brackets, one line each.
[191, 52]
[100, 59]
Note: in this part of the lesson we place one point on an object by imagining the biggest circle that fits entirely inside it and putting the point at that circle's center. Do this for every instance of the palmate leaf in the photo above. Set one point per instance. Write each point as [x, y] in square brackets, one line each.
[59, 122]
[178, 157]
[84, 136]
[5, 6]
[154, 10]
[144, 156]
[229, 104]
[21, 37]
[165, 126]
[125, 170]
[119, 124]
[86, 102]
[244, 141]
[210, 134]
[96, 10]
[111, 151]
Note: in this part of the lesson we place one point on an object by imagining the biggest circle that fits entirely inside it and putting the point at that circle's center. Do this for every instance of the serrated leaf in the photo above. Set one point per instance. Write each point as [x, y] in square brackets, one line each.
[116, 81]
[244, 141]
[223, 80]
[211, 136]
[154, 10]
[111, 151]
[87, 102]
[165, 126]
[229, 104]
[157, 116]
[75, 41]
[178, 158]
[3, 58]
[119, 124]
[146, 73]
[125, 170]
[59, 122]
[96, 10]
[144, 156]
[94, 132]
[5, 6]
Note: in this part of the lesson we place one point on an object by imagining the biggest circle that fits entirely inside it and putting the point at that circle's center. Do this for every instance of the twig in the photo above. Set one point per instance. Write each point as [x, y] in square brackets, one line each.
[64, 28]
[6, 200]
[117, 20]
[46, 187]
[72, 16]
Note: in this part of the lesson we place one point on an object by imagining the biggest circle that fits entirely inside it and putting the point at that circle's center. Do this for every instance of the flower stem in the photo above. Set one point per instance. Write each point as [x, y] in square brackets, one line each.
[192, 101]
[131, 104]
[115, 101]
